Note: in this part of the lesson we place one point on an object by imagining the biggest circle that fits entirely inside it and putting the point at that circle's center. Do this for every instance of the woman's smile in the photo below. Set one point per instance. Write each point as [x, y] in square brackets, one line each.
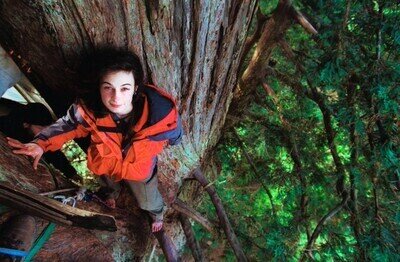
[117, 89]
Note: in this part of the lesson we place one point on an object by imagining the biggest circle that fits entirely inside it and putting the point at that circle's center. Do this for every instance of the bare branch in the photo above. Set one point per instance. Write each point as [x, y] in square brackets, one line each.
[223, 218]
[251, 40]
[54, 211]
[188, 211]
[273, 30]
[168, 247]
[302, 20]
[253, 166]
[191, 240]
[320, 226]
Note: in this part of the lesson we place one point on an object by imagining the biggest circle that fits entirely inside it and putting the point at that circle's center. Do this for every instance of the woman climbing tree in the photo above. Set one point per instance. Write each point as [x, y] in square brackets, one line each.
[129, 124]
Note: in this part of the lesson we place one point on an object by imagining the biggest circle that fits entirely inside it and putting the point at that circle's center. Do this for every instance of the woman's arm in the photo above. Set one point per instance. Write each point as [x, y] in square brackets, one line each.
[54, 136]
[69, 127]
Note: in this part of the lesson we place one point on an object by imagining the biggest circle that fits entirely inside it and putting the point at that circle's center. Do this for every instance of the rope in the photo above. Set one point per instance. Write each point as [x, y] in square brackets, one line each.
[13, 252]
[66, 200]
[46, 233]
[73, 199]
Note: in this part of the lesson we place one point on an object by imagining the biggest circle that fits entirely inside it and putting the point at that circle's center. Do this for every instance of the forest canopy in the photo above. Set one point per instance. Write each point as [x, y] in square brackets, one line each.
[312, 167]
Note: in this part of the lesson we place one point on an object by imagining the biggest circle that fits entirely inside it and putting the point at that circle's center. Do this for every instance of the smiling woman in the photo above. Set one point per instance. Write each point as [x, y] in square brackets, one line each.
[117, 90]
[129, 124]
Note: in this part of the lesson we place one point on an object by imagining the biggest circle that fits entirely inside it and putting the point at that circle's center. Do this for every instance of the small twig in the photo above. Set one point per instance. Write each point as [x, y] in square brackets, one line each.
[253, 166]
[302, 20]
[58, 191]
[321, 224]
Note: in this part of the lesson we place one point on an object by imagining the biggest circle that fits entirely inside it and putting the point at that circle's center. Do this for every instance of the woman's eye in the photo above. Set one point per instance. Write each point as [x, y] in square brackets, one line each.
[124, 89]
[106, 87]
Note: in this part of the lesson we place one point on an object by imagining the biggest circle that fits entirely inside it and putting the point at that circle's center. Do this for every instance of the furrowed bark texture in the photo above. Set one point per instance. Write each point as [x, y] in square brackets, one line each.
[192, 49]
[189, 48]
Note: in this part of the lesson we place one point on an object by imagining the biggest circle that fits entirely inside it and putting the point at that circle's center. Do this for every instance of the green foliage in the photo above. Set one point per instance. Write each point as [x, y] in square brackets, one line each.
[78, 160]
[268, 6]
[354, 67]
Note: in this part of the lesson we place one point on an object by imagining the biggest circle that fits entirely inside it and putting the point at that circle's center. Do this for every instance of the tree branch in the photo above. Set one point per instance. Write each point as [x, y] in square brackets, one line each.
[316, 96]
[273, 30]
[354, 213]
[302, 20]
[320, 226]
[188, 211]
[253, 166]
[168, 247]
[251, 40]
[54, 211]
[290, 144]
[191, 240]
[223, 218]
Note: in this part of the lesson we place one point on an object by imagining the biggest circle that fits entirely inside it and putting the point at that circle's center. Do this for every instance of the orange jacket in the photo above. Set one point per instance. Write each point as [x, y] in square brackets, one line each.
[158, 125]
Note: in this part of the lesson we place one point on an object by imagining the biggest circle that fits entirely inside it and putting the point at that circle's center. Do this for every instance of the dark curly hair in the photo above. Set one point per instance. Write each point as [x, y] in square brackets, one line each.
[98, 63]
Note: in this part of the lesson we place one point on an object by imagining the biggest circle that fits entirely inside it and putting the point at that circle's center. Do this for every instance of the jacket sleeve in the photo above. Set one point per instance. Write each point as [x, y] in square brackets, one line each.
[70, 126]
[173, 136]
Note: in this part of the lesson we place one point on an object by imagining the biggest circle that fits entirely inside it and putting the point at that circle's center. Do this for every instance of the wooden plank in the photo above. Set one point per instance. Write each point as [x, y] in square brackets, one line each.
[53, 210]
[34, 210]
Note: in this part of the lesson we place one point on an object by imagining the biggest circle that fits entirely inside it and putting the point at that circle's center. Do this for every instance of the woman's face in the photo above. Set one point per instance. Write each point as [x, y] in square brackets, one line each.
[116, 90]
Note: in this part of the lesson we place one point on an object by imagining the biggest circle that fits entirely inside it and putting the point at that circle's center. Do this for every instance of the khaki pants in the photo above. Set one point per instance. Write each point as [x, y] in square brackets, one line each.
[146, 193]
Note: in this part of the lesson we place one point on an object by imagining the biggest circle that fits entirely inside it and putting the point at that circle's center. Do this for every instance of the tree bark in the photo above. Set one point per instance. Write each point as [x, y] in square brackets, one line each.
[274, 29]
[191, 239]
[251, 40]
[17, 234]
[54, 211]
[168, 247]
[17, 171]
[192, 49]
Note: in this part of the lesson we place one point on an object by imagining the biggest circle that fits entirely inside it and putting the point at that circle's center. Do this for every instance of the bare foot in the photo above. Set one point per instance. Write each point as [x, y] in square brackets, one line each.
[156, 226]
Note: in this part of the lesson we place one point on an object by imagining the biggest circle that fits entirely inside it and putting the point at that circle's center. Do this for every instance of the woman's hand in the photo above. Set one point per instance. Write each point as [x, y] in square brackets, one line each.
[29, 149]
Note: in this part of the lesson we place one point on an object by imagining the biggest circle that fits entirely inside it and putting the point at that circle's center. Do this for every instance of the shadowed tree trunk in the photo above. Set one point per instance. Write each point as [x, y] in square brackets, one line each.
[192, 49]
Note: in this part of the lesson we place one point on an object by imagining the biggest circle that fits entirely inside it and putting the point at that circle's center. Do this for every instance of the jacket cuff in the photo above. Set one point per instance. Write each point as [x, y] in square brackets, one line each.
[43, 144]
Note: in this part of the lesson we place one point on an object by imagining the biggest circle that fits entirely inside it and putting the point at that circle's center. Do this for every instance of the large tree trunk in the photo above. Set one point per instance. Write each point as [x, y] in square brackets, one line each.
[16, 171]
[192, 49]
